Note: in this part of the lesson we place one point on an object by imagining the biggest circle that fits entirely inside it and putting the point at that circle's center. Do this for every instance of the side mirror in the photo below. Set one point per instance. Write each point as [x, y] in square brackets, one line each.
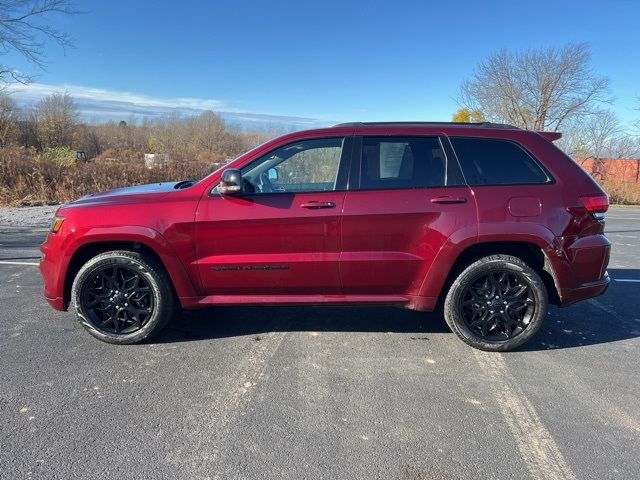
[272, 174]
[230, 182]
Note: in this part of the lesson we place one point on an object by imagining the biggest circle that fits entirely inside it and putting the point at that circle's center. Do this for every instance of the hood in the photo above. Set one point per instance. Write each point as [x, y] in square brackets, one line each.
[136, 194]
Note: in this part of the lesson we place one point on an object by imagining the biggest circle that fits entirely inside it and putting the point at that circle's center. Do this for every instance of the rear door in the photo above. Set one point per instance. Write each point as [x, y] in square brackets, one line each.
[409, 198]
[281, 235]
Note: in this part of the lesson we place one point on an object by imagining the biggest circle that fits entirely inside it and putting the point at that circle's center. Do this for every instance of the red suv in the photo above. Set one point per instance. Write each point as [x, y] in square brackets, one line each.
[489, 222]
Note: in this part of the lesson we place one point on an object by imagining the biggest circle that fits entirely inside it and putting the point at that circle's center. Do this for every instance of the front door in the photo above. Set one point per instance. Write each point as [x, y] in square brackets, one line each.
[410, 199]
[281, 235]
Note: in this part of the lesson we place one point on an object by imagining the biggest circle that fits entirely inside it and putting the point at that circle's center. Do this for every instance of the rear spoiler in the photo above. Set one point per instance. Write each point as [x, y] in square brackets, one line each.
[551, 136]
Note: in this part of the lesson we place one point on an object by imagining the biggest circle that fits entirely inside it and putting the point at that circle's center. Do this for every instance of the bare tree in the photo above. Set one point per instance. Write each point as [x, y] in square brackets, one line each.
[86, 139]
[599, 133]
[24, 29]
[57, 116]
[9, 114]
[28, 129]
[535, 89]
[595, 139]
[208, 131]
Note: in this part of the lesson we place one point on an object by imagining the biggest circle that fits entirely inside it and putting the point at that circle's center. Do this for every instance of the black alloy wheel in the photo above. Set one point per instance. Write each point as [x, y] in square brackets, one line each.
[117, 300]
[497, 303]
[123, 296]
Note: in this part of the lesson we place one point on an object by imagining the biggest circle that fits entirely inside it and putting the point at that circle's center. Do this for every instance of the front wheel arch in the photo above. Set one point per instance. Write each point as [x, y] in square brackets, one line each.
[126, 290]
[86, 252]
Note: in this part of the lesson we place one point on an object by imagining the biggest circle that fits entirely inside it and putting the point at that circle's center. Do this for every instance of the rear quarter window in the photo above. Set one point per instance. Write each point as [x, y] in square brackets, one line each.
[488, 161]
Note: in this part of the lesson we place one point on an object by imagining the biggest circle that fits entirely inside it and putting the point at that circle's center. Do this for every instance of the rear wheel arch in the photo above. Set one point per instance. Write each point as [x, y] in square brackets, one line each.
[530, 253]
[497, 303]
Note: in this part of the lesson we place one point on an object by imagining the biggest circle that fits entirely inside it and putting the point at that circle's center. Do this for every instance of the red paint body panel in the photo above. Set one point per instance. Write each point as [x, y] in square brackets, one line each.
[386, 247]
[390, 238]
[237, 236]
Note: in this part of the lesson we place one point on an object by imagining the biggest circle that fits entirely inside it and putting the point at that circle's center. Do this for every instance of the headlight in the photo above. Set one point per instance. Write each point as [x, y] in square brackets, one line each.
[56, 224]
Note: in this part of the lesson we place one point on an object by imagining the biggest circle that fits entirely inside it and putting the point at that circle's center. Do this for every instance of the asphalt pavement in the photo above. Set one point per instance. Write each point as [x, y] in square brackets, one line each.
[331, 393]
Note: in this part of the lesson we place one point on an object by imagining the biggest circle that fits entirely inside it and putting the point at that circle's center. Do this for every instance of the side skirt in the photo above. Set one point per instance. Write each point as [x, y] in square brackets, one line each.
[405, 301]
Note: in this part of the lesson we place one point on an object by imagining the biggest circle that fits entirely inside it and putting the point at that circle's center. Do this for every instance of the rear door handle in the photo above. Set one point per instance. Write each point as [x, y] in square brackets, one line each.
[446, 200]
[315, 205]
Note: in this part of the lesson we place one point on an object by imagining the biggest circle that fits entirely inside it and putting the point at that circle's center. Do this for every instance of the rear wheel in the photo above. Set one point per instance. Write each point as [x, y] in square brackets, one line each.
[496, 304]
[122, 297]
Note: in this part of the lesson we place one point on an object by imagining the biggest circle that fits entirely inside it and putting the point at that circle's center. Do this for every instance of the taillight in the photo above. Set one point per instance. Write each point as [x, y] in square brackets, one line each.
[596, 205]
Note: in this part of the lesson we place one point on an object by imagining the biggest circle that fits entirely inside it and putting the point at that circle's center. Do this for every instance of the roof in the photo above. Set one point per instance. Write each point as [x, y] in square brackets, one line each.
[428, 124]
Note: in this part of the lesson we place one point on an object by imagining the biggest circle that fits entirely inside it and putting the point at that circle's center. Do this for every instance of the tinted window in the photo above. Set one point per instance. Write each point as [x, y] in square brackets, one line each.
[400, 162]
[305, 166]
[496, 162]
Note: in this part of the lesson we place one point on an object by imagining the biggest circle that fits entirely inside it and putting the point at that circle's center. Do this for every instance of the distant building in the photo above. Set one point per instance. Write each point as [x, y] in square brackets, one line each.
[155, 160]
[618, 169]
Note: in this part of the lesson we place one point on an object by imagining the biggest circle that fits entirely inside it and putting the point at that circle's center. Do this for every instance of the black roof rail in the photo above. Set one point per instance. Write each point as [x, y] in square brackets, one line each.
[429, 124]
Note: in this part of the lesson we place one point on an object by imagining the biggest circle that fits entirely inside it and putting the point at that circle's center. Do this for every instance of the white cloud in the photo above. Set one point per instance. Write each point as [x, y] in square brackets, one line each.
[35, 91]
[97, 104]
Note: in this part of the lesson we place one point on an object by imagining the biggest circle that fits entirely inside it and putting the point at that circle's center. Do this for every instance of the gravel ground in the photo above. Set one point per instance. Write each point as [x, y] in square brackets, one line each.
[27, 216]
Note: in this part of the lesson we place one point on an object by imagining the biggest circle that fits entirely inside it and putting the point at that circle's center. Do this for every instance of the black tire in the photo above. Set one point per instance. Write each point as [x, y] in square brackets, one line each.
[113, 311]
[482, 307]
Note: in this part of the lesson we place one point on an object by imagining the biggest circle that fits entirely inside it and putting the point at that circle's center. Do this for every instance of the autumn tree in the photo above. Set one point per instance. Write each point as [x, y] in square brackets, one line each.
[57, 116]
[464, 115]
[25, 29]
[535, 89]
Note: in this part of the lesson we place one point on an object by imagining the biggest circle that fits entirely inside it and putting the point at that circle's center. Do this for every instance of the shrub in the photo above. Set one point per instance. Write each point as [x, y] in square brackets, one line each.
[27, 178]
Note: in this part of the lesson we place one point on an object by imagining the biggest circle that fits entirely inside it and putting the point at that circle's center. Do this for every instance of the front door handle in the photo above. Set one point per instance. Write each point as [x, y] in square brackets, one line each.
[314, 204]
[444, 200]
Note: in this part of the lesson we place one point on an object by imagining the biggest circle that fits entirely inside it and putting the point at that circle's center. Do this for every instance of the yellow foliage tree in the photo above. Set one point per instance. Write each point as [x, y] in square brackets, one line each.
[465, 115]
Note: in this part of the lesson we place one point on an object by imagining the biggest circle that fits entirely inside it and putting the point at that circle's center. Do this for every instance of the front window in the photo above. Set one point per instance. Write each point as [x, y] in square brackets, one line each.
[304, 166]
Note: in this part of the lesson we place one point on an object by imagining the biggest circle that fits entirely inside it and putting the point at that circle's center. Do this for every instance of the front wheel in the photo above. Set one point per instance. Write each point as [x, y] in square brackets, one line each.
[122, 297]
[497, 303]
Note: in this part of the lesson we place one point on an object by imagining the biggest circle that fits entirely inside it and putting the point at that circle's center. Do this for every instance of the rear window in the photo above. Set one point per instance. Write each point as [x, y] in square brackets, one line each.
[402, 162]
[487, 161]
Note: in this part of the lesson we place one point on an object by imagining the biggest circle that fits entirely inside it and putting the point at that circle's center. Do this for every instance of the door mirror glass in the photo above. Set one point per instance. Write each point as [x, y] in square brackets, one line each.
[273, 174]
[230, 182]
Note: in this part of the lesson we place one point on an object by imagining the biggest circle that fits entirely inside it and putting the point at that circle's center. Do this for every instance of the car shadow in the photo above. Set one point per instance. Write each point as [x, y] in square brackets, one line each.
[612, 317]
[220, 322]
[583, 324]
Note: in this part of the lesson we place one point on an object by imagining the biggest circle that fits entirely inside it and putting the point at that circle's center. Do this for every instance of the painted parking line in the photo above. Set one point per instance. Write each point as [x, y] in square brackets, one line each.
[19, 263]
[538, 449]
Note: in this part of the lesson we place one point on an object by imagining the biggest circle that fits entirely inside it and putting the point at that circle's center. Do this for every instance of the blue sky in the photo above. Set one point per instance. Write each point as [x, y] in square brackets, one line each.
[324, 60]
